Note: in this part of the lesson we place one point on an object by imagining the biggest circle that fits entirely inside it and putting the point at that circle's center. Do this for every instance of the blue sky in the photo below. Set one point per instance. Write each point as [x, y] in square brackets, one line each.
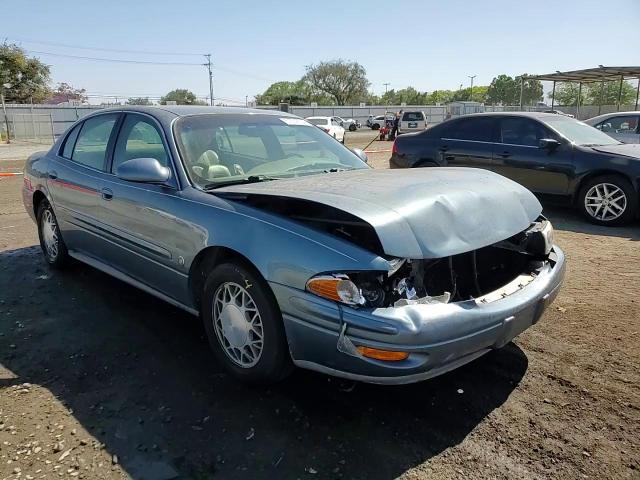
[426, 44]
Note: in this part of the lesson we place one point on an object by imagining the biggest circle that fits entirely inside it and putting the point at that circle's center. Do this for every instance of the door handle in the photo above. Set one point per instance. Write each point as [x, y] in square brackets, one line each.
[504, 154]
[107, 194]
[53, 174]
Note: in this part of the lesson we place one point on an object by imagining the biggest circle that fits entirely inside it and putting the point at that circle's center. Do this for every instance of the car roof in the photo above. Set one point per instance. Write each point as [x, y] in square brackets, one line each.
[184, 110]
[539, 115]
[319, 118]
[604, 116]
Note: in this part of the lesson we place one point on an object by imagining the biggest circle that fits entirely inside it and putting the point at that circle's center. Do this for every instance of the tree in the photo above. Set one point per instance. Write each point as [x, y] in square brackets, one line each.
[28, 77]
[66, 93]
[503, 90]
[567, 94]
[531, 90]
[345, 82]
[181, 96]
[139, 101]
[408, 95]
[608, 93]
[294, 93]
[439, 97]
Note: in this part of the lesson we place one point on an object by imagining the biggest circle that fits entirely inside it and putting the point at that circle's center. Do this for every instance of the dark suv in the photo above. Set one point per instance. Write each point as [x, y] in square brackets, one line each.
[558, 157]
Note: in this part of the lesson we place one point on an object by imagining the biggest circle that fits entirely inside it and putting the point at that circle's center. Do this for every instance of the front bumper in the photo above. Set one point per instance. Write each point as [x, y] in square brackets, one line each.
[439, 337]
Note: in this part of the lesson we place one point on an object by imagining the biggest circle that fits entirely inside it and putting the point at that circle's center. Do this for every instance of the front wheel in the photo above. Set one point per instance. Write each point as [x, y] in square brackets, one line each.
[352, 127]
[51, 242]
[244, 325]
[608, 200]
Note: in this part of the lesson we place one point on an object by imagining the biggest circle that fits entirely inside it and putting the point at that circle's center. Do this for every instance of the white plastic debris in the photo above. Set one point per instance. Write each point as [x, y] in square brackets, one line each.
[428, 300]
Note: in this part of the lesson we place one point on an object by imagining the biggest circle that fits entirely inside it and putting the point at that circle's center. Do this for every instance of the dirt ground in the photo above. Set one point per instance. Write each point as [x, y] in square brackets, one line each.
[99, 380]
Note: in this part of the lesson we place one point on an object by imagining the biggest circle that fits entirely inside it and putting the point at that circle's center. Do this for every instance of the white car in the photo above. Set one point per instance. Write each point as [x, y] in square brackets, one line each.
[348, 123]
[329, 125]
[414, 121]
[623, 126]
[375, 122]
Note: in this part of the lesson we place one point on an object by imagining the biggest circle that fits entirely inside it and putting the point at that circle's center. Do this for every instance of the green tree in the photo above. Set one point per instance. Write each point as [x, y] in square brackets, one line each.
[531, 90]
[139, 101]
[609, 93]
[503, 90]
[294, 93]
[439, 97]
[181, 96]
[66, 93]
[345, 82]
[408, 95]
[567, 94]
[28, 77]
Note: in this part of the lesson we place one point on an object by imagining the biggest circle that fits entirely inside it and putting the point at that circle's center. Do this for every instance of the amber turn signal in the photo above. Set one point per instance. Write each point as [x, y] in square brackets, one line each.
[386, 355]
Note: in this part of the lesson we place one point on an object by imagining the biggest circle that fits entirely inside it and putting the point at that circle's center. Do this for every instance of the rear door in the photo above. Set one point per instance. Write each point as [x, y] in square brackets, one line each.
[412, 122]
[624, 128]
[518, 156]
[75, 176]
[468, 142]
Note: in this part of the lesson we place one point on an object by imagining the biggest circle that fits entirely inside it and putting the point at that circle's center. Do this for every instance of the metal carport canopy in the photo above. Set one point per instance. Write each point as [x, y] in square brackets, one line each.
[592, 75]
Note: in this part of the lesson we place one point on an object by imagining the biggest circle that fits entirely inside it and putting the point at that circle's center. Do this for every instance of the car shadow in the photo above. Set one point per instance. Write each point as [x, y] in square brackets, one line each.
[139, 376]
[565, 218]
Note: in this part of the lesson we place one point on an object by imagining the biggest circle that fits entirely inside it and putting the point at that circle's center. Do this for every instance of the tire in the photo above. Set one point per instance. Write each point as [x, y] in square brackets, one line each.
[616, 195]
[425, 163]
[51, 242]
[375, 126]
[228, 329]
[352, 127]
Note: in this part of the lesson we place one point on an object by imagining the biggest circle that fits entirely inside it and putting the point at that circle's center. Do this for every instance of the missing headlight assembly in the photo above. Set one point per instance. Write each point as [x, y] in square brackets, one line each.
[465, 276]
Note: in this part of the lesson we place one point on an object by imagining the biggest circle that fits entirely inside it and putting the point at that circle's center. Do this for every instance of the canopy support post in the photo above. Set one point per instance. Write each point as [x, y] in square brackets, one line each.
[637, 93]
[600, 97]
[620, 93]
[579, 99]
[522, 89]
[553, 95]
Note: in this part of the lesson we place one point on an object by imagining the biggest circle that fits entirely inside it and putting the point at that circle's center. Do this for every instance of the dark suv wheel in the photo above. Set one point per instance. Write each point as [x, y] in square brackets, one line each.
[608, 200]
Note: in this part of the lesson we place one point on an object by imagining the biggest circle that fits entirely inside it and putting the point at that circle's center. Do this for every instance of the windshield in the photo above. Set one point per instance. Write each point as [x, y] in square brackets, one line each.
[580, 133]
[218, 149]
[318, 121]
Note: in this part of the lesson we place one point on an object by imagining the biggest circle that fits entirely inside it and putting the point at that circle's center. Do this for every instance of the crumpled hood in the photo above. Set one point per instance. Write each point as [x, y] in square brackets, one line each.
[626, 149]
[418, 213]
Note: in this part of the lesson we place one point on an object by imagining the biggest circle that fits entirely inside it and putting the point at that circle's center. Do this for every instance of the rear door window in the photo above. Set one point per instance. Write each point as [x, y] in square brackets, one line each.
[91, 147]
[478, 129]
[621, 124]
[70, 141]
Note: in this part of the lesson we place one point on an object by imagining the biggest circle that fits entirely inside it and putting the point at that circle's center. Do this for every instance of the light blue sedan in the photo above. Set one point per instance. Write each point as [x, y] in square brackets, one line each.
[289, 247]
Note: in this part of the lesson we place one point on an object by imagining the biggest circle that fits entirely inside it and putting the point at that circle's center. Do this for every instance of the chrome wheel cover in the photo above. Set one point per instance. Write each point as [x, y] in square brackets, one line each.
[50, 234]
[605, 202]
[237, 324]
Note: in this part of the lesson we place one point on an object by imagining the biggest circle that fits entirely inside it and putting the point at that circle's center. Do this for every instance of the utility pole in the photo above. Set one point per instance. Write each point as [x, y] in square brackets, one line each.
[386, 86]
[471, 93]
[246, 101]
[4, 111]
[208, 65]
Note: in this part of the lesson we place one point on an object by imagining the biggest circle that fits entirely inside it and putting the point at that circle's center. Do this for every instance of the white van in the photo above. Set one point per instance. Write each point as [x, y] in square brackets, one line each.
[413, 122]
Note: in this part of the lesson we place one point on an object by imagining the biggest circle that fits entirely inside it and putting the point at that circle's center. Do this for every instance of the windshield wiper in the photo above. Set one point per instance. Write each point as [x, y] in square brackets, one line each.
[240, 181]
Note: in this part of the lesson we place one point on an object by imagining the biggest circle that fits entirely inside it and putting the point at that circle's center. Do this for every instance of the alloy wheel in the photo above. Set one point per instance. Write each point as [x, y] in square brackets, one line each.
[50, 234]
[238, 324]
[605, 201]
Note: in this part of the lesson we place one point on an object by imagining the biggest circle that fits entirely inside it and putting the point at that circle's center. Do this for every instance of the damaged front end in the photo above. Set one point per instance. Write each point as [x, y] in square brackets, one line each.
[484, 274]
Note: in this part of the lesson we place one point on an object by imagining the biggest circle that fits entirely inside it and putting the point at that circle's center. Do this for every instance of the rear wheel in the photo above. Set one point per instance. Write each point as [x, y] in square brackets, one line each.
[608, 200]
[51, 242]
[352, 127]
[244, 325]
[375, 126]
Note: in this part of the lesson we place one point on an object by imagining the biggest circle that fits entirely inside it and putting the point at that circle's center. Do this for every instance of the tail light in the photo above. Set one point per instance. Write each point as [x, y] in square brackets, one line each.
[394, 147]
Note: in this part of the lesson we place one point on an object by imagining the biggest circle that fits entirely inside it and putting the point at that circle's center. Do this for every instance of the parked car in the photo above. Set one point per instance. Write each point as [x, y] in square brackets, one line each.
[348, 123]
[559, 112]
[289, 247]
[375, 122]
[330, 125]
[553, 155]
[414, 121]
[623, 126]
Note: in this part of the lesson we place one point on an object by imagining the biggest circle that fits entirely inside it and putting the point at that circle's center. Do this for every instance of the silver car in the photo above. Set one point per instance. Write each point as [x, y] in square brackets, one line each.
[623, 126]
[289, 247]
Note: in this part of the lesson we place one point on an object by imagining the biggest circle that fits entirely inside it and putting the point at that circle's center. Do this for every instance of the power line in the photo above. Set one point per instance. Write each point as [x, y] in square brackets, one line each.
[66, 45]
[115, 60]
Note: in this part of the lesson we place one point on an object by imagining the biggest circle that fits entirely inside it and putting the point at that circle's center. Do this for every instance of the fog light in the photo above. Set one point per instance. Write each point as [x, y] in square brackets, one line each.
[386, 355]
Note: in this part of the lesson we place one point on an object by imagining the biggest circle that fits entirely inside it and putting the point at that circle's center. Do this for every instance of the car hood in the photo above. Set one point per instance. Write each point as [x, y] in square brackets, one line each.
[418, 213]
[624, 149]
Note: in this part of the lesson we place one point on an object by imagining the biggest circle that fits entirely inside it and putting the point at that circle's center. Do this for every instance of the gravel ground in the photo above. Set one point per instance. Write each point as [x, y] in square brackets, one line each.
[99, 380]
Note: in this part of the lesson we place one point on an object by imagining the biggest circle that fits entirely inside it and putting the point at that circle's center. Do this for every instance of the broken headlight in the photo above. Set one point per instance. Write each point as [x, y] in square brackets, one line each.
[356, 289]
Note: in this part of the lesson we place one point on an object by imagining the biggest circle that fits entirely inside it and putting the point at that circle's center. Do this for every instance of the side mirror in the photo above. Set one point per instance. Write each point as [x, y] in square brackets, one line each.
[548, 143]
[361, 155]
[143, 170]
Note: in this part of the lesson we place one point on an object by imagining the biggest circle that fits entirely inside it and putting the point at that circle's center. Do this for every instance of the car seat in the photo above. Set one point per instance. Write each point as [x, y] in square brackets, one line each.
[208, 166]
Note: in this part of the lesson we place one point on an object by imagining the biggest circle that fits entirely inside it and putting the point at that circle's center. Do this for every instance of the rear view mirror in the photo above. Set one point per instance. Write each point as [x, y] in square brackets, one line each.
[143, 170]
[361, 155]
[548, 143]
